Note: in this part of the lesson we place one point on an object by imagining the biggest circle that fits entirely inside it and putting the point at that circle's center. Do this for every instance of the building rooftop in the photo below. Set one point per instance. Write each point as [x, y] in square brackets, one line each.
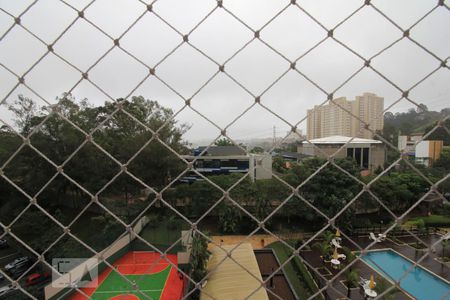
[339, 139]
[231, 281]
[221, 151]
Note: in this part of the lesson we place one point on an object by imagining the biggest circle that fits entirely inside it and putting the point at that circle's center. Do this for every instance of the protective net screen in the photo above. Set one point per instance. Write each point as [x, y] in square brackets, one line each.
[257, 149]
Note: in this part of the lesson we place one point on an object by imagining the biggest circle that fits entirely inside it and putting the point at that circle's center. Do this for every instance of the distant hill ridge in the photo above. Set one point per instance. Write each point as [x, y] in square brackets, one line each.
[419, 121]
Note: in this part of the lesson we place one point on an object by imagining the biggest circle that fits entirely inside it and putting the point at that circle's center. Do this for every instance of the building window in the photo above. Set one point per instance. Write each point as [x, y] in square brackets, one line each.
[365, 161]
[350, 152]
[358, 156]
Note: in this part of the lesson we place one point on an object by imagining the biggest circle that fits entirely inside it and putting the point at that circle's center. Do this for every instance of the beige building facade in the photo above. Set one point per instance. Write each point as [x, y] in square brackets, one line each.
[369, 154]
[337, 117]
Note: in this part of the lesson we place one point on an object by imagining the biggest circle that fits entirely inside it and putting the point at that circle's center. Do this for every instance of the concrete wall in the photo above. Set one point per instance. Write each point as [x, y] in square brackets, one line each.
[377, 152]
[428, 151]
[377, 156]
[260, 166]
[422, 149]
[402, 142]
[54, 290]
[325, 150]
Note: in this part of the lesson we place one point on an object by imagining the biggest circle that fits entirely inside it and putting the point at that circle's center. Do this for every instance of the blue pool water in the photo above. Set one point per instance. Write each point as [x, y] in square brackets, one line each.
[419, 283]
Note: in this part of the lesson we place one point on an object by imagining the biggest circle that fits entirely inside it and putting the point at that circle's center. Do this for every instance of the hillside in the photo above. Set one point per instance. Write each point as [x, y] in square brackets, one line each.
[415, 122]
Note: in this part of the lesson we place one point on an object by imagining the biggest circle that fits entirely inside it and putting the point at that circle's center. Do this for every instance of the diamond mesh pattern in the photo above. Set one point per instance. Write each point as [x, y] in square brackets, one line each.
[219, 64]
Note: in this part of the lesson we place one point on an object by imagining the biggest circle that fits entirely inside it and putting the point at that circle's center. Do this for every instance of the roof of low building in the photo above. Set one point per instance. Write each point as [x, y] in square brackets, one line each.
[296, 155]
[222, 151]
[339, 139]
[228, 280]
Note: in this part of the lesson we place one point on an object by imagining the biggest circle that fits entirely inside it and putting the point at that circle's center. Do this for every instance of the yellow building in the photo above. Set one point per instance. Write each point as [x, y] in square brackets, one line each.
[427, 152]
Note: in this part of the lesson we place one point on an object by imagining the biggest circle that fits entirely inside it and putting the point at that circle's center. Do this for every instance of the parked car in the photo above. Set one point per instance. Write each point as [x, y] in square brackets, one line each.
[36, 278]
[6, 291]
[3, 243]
[18, 264]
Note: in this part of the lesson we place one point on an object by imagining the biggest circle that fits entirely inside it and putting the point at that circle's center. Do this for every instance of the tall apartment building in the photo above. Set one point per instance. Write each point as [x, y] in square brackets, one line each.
[334, 118]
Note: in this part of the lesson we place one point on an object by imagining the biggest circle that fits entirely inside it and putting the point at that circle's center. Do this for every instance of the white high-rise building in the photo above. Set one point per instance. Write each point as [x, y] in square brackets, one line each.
[346, 117]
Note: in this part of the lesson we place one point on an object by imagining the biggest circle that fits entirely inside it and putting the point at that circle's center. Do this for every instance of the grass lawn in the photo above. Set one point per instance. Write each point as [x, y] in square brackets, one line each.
[152, 285]
[301, 280]
[161, 235]
[432, 220]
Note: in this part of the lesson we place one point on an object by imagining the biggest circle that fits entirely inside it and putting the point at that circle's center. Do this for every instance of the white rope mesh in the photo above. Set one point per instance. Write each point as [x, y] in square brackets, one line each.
[155, 71]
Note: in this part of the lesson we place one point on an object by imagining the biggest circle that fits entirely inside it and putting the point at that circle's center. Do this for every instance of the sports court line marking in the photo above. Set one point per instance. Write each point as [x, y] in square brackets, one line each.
[124, 291]
[167, 279]
[143, 274]
[142, 264]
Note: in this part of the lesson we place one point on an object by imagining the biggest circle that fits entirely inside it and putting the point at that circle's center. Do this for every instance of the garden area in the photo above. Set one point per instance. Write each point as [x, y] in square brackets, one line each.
[297, 273]
[161, 232]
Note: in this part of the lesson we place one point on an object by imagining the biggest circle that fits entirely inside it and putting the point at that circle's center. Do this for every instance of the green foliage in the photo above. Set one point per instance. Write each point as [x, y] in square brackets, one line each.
[328, 236]
[329, 190]
[430, 221]
[413, 121]
[36, 229]
[223, 142]
[296, 272]
[24, 109]
[420, 224]
[349, 254]
[399, 190]
[440, 133]
[109, 228]
[57, 139]
[444, 160]
[445, 243]
[153, 221]
[162, 232]
[278, 164]
[199, 259]
[323, 248]
[257, 149]
[201, 196]
[172, 223]
[229, 218]
[352, 278]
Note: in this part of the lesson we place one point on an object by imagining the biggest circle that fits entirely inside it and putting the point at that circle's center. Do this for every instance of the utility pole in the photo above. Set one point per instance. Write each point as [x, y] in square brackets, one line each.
[274, 135]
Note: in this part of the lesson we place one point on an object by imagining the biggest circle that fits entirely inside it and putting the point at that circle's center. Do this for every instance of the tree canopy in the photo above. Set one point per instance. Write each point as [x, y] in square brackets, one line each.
[138, 136]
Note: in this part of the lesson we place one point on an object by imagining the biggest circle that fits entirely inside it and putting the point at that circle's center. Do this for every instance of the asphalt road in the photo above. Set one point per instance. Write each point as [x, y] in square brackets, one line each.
[7, 255]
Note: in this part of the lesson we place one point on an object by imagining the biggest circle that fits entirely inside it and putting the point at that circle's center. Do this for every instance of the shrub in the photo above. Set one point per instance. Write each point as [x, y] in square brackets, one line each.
[172, 223]
[153, 221]
[431, 221]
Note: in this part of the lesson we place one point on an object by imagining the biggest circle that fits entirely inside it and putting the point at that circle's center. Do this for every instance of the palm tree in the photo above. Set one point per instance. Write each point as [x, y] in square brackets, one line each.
[352, 281]
[350, 256]
[229, 217]
[199, 257]
[323, 248]
[262, 209]
[328, 236]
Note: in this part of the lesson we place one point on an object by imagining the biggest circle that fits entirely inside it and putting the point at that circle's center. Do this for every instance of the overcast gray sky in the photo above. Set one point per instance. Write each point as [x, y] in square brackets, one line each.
[292, 33]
